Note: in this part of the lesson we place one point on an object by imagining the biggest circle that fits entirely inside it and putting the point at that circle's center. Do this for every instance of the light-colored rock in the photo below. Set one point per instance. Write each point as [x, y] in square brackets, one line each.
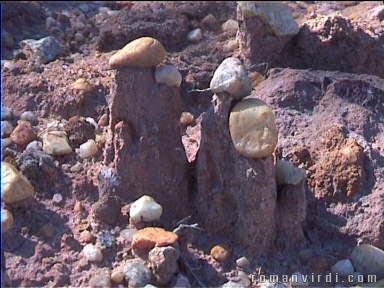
[88, 149]
[147, 238]
[6, 219]
[117, 276]
[57, 198]
[136, 273]
[6, 113]
[86, 237]
[6, 129]
[220, 253]
[163, 263]
[253, 129]
[233, 284]
[186, 118]
[23, 133]
[168, 75]
[276, 15]
[297, 280]
[195, 35]
[343, 267]
[231, 77]
[287, 173]
[103, 121]
[92, 253]
[256, 78]
[230, 26]
[368, 260]
[145, 209]
[83, 85]
[231, 45]
[34, 145]
[29, 116]
[242, 262]
[43, 50]
[100, 280]
[182, 282]
[56, 143]
[142, 52]
[15, 187]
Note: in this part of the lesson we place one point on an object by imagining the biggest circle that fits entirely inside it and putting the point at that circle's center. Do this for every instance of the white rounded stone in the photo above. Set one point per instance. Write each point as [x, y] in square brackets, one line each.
[88, 149]
[195, 35]
[92, 253]
[145, 209]
[168, 75]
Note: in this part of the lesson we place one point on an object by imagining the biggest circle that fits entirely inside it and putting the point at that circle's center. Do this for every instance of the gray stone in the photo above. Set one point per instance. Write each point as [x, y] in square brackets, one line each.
[169, 75]
[6, 129]
[163, 263]
[232, 284]
[29, 116]
[343, 267]
[231, 77]
[287, 173]
[243, 263]
[43, 50]
[6, 113]
[368, 260]
[136, 273]
[195, 35]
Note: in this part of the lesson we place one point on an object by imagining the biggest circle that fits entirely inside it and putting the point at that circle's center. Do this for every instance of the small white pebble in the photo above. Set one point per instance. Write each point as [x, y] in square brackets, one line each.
[92, 253]
[195, 35]
[87, 149]
[57, 198]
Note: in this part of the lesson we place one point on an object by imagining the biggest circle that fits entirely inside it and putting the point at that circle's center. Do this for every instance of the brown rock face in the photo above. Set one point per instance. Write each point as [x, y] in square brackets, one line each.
[144, 145]
[236, 195]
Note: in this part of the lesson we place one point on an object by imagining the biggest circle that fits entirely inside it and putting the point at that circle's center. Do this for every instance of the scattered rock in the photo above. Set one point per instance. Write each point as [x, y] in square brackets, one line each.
[56, 143]
[195, 35]
[220, 253]
[256, 78]
[29, 116]
[186, 118]
[230, 26]
[57, 198]
[243, 263]
[136, 273]
[34, 145]
[368, 260]
[231, 45]
[287, 173]
[86, 237]
[6, 113]
[92, 253]
[82, 85]
[15, 187]
[100, 280]
[377, 13]
[231, 77]
[88, 149]
[79, 131]
[244, 278]
[23, 133]
[145, 209]
[253, 129]
[277, 16]
[209, 21]
[117, 276]
[127, 234]
[232, 284]
[343, 268]
[142, 52]
[297, 280]
[147, 238]
[168, 75]
[103, 121]
[163, 263]
[6, 220]
[181, 282]
[6, 129]
[44, 50]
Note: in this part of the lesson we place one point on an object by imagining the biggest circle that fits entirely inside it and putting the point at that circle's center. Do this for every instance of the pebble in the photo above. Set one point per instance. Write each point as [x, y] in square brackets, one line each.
[6, 113]
[23, 133]
[57, 198]
[232, 284]
[368, 260]
[127, 234]
[92, 253]
[142, 52]
[220, 253]
[256, 78]
[277, 16]
[209, 21]
[231, 45]
[6, 129]
[182, 282]
[253, 129]
[88, 149]
[83, 85]
[104, 120]
[6, 220]
[145, 209]
[149, 237]
[168, 75]
[86, 237]
[186, 118]
[343, 268]
[287, 173]
[297, 280]
[100, 280]
[56, 143]
[136, 273]
[29, 116]
[243, 263]
[163, 263]
[15, 187]
[230, 26]
[231, 77]
[43, 50]
[244, 278]
[34, 145]
[117, 276]
[195, 35]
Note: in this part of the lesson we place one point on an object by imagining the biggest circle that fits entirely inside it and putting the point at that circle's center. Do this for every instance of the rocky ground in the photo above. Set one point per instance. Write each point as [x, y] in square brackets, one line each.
[90, 139]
